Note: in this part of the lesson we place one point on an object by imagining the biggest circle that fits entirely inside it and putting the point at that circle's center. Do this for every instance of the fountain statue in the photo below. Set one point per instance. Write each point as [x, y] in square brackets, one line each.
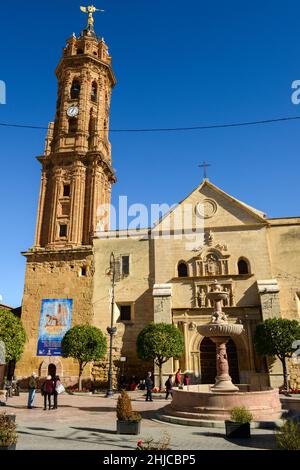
[219, 330]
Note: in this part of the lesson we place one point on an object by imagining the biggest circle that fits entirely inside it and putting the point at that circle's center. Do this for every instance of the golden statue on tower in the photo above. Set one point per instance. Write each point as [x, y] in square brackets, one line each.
[90, 10]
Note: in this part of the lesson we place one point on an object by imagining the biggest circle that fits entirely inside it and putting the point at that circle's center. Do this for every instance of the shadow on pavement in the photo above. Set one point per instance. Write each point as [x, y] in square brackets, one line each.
[99, 409]
[95, 430]
[102, 440]
[261, 441]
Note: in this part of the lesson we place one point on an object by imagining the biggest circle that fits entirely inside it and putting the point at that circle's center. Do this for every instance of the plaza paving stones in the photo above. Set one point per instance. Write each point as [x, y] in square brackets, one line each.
[89, 423]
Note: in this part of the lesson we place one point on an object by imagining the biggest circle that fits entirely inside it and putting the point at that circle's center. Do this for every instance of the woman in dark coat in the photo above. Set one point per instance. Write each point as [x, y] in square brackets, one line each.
[169, 387]
[48, 389]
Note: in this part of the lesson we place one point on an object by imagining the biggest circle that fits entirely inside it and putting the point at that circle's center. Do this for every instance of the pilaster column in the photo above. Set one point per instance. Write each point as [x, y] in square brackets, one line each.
[75, 230]
[186, 346]
[43, 188]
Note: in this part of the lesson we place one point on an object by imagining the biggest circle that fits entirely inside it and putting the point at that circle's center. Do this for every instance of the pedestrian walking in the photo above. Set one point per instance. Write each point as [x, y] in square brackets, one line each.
[169, 387]
[186, 380]
[32, 386]
[178, 378]
[48, 389]
[149, 386]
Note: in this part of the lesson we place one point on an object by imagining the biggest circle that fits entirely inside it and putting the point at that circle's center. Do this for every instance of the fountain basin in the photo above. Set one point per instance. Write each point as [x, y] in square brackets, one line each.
[220, 329]
[198, 402]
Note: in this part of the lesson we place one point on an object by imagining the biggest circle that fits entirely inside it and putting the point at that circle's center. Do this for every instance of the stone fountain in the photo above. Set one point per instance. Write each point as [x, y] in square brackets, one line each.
[208, 403]
[219, 330]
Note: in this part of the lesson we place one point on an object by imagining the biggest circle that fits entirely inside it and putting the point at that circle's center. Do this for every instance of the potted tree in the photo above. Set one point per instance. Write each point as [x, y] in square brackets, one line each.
[128, 422]
[239, 424]
[8, 435]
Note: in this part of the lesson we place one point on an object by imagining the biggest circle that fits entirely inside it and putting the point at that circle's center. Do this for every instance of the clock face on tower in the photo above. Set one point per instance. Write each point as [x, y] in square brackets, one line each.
[73, 111]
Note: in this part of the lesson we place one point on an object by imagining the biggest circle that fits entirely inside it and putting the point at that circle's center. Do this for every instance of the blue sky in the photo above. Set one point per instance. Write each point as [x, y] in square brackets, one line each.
[178, 63]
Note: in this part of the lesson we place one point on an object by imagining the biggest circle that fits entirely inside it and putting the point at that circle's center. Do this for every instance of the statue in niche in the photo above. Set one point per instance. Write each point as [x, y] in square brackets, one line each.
[225, 301]
[212, 266]
[201, 298]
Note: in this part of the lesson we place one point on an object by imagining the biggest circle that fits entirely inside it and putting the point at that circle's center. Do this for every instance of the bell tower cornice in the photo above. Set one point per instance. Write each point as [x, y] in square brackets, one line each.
[85, 51]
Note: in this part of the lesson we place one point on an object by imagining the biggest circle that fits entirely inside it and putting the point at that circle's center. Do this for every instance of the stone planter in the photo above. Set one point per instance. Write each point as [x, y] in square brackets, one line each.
[12, 447]
[237, 430]
[128, 427]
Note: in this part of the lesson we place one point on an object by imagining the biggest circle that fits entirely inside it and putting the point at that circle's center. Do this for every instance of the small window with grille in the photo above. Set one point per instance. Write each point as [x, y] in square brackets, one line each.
[125, 266]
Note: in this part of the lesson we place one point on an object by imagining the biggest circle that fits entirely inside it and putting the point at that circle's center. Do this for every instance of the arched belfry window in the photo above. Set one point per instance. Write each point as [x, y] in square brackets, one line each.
[94, 92]
[243, 266]
[75, 89]
[182, 269]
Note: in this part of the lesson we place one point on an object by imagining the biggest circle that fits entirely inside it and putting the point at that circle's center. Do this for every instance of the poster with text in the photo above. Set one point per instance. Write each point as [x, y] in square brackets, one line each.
[55, 321]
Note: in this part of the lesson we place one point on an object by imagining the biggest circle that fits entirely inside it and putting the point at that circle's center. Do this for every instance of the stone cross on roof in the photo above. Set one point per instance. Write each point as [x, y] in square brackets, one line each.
[204, 165]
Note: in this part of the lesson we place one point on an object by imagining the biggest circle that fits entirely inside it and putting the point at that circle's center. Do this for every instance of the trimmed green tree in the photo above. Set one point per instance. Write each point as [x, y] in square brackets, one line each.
[12, 334]
[160, 342]
[85, 343]
[274, 338]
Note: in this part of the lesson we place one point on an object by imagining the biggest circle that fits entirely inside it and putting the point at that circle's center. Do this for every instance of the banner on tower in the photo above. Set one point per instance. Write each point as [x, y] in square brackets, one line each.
[55, 321]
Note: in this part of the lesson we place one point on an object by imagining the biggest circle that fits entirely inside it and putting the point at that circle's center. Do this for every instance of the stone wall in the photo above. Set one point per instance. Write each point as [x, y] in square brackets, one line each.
[55, 275]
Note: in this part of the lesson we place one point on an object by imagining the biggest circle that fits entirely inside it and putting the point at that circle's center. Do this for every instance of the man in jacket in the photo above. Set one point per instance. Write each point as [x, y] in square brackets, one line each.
[149, 386]
[32, 386]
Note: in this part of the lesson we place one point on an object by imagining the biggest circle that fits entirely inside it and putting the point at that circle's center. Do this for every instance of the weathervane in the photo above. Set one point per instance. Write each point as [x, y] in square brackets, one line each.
[90, 10]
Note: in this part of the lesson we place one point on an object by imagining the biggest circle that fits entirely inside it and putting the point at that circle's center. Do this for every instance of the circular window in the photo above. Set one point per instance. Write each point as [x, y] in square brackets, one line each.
[206, 209]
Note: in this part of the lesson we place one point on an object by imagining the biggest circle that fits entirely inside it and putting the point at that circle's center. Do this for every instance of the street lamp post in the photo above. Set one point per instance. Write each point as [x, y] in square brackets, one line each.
[111, 330]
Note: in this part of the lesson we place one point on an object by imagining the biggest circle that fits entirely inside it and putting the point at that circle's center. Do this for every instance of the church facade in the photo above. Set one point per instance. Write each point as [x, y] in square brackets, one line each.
[159, 278]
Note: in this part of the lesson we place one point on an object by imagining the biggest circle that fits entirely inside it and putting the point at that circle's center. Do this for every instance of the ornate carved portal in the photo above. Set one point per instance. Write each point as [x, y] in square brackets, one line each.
[202, 301]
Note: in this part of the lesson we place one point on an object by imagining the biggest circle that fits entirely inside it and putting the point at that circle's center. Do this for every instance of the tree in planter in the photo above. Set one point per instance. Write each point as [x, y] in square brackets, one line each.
[8, 434]
[124, 408]
[275, 337]
[84, 343]
[160, 342]
[13, 335]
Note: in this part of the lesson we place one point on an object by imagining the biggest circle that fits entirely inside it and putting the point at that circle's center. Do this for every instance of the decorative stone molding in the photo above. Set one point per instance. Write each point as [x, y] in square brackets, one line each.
[162, 290]
[268, 286]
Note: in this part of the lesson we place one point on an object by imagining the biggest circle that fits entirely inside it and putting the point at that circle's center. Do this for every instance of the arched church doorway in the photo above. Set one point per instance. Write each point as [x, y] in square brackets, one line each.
[52, 370]
[208, 361]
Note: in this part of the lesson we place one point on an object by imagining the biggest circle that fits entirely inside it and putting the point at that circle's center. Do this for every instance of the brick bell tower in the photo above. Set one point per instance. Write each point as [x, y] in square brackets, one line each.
[76, 168]
[77, 177]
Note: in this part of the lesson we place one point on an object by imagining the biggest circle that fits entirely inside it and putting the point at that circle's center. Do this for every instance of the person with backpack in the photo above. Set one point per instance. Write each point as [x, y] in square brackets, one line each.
[48, 390]
[32, 386]
[169, 387]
